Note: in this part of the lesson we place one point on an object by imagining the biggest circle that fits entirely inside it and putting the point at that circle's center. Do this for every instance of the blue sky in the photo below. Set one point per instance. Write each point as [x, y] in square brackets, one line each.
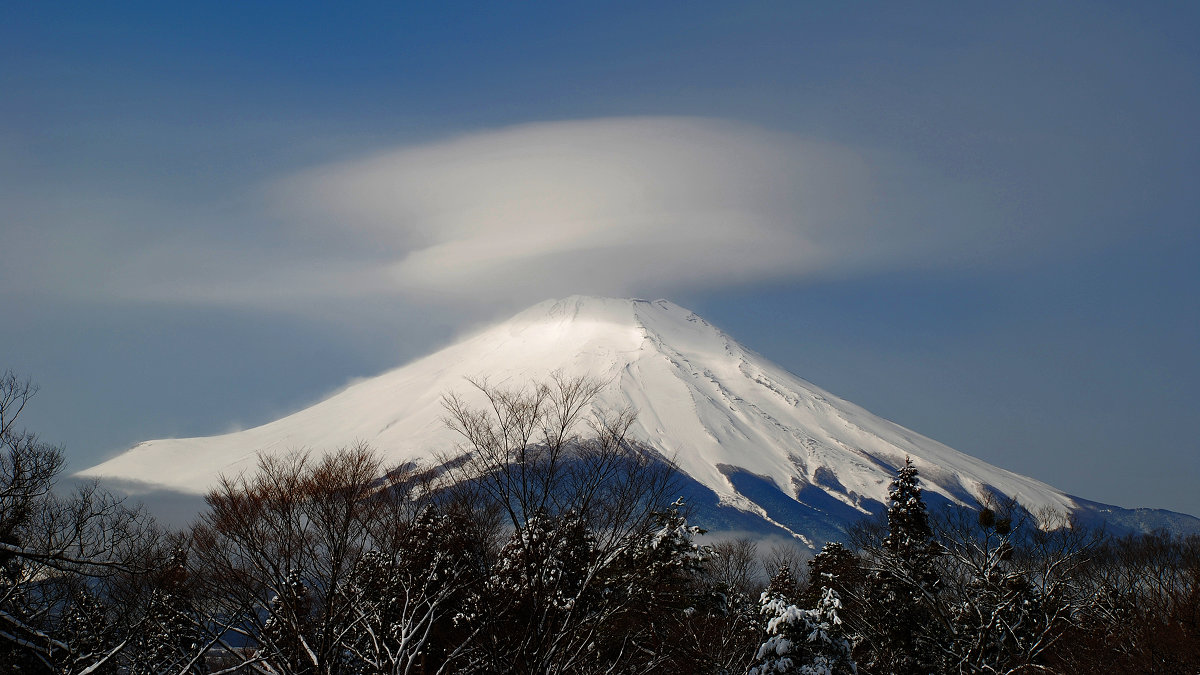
[980, 222]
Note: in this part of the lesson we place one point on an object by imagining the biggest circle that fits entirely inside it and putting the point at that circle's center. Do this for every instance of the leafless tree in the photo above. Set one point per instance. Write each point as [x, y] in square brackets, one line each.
[587, 502]
[54, 546]
[291, 554]
[735, 566]
[784, 553]
[1144, 610]
[1011, 585]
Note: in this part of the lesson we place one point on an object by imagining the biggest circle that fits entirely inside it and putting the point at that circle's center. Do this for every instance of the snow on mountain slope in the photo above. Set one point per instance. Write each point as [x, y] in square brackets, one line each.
[716, 408]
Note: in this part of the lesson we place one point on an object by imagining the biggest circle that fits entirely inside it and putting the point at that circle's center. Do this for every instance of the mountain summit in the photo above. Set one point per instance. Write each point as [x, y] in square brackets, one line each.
[750, 437]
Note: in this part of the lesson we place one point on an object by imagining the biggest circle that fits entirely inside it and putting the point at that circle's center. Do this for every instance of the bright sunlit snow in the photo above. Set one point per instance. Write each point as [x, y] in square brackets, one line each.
[701, 398]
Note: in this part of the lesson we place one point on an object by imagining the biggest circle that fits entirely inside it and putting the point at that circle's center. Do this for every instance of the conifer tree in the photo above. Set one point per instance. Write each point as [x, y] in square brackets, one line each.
[905, 583]
[833, 567]
[784, 585]
[542, 567]
[669, 555]
[804, 641]
[401, 602]
[667, 604]
[539, 591]
[170, 639]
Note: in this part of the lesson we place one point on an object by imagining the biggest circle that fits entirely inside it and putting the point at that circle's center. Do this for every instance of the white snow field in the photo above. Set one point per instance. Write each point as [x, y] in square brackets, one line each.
[701, 398]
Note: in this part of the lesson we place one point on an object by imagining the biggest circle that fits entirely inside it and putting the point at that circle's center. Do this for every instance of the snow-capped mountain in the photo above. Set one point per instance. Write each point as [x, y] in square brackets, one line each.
[746, 433]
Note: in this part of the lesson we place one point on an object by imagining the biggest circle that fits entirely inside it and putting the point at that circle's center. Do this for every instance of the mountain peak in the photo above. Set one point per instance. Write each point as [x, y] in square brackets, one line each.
[755, 436]
[596, 308]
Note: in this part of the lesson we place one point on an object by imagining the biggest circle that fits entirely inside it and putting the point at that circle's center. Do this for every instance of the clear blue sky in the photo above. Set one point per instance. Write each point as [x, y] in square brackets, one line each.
[980, 222]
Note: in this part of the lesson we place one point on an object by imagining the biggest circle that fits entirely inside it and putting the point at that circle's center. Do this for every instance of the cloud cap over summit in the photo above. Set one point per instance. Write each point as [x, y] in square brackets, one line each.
[642, 204]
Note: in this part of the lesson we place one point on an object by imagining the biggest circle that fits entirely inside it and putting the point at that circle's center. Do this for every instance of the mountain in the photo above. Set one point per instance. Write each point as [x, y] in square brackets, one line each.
[760, 448]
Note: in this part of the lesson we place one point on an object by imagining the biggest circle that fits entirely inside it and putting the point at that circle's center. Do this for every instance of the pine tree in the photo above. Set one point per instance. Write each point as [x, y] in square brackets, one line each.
[170, 639]
[784, 586]
[833, 567]
[905, 583]
[804, 641]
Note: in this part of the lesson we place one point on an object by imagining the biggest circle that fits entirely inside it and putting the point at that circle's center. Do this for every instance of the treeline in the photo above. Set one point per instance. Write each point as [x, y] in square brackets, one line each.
[988, 590]
[553, 545]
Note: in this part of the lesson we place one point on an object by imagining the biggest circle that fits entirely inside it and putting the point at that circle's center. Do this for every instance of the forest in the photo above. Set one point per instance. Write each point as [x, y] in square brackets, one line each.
[554, 543]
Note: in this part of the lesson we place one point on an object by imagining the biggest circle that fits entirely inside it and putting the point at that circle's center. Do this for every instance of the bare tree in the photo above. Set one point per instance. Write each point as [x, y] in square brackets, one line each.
[327, 565]
[736, 566]
[1011, 585]
[784, 553]
[579, 509]
[1143, 613]
[53, 547]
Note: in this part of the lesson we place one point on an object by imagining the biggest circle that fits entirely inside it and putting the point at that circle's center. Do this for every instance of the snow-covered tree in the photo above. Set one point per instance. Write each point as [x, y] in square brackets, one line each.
[1008, 592]
[807, 641]
[85, 626]
[910, 537]
[53, 545]
[288, 633]
[728, 628]
[402, 602]
[904, 583]
[836, 567]
[545, 565]
[670, 553]
[784, 585]
[670, 609]
[543, 602]
[804, 641]
[170, 637]
[564, 589]
[277, 546]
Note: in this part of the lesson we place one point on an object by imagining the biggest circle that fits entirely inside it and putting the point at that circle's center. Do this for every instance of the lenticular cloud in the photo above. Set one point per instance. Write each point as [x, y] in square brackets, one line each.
[620, 206]
[609, 205]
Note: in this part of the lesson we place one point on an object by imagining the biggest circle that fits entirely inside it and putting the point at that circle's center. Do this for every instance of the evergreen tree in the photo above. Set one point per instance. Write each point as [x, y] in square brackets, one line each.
[804, 641]
[910, 538]
[833, 567]
[402, 603]
[540, 592]
[170, 638]
[784, 586]
[543, 566]
[664, 604]
[669, 557]
[905, 583]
